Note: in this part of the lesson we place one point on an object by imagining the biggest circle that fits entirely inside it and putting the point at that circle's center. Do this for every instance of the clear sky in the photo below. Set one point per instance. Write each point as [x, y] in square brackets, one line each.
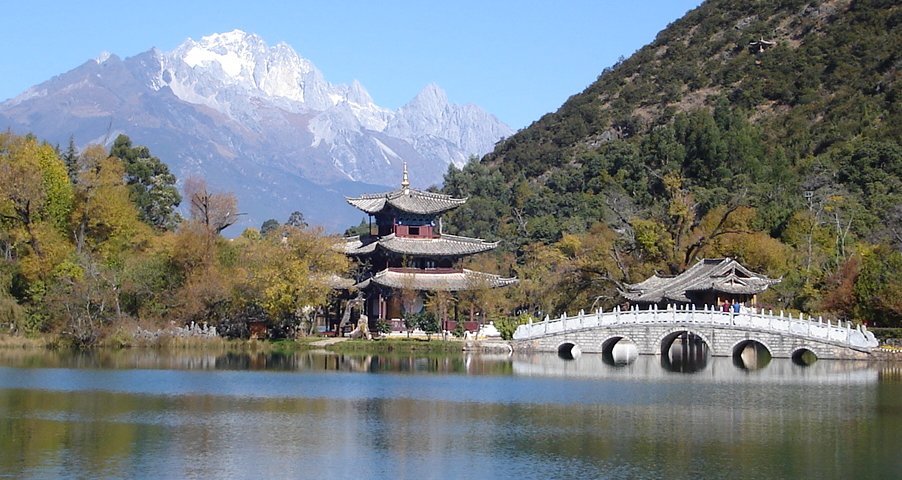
[516, 59]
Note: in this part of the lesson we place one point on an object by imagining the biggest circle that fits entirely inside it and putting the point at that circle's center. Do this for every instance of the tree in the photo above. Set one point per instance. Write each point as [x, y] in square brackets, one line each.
[215, 211]
[269, 226]
[35, 194]
[878, 288]
[151, 185]
[106, 221]
[291, 270]
[296, 219]
[70, 159]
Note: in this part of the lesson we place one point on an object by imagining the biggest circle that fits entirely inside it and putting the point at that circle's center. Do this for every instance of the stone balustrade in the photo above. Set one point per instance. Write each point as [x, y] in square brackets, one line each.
[744, 324]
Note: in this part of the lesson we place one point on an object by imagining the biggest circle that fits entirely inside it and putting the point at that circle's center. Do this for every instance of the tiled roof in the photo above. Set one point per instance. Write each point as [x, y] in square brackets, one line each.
[407, 200]
[442, 281]
[449, 245]
[718, 275]
[356, 245]
[446, 245]
[340, 283]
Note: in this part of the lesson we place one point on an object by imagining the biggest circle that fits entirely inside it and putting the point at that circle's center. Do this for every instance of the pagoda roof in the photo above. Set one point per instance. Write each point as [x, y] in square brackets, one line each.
[406, 200]
[723, 275]
[424, 280]
[445, 245]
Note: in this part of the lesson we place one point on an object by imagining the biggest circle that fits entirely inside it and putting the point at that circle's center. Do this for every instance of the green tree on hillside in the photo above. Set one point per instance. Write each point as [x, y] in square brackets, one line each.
[151, 185]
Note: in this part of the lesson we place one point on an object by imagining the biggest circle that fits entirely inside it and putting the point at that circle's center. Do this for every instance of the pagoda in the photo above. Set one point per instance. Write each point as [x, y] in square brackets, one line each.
[708, 282]
[405, 255]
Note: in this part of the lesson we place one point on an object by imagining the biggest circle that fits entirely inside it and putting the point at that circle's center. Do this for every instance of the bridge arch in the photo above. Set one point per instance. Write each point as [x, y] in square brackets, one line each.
[804, 355]
[751, 353]
[619, 350]
[569, 351]
[612, 340]
[737, 347]
[666, 341]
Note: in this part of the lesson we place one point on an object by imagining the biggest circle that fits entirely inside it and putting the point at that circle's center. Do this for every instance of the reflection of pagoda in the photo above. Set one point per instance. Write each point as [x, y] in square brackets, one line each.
[406, 256]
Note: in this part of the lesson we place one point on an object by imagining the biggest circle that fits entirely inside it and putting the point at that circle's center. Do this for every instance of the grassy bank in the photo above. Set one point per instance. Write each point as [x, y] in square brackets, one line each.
[218, 344]
[15, 341]
[399, 345]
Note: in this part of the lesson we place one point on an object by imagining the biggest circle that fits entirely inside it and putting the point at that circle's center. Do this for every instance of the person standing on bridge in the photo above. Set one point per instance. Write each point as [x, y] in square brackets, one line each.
[736, 306]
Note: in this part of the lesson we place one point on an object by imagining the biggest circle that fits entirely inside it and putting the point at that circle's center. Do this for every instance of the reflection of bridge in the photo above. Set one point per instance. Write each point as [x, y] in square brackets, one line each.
[721, 333]
[719, 370]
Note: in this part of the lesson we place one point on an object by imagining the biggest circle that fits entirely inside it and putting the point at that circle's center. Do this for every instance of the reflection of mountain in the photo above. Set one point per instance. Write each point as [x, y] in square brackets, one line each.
[716, 370]
[257, 120]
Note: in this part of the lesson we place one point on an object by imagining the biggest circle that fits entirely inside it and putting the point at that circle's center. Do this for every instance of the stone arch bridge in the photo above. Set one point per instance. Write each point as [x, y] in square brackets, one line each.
[654, 332]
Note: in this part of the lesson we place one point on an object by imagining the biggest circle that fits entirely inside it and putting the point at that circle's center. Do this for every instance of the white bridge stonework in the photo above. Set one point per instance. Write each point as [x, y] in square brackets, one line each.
[723, 332]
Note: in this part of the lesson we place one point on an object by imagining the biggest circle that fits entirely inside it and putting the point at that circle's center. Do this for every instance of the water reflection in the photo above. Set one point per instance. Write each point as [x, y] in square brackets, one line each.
[621, 360]
[708, 369]
[623, 352]
[143, 414]
[751, 355]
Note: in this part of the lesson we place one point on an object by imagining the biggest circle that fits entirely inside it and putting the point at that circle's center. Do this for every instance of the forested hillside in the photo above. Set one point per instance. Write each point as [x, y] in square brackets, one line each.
[768, 131]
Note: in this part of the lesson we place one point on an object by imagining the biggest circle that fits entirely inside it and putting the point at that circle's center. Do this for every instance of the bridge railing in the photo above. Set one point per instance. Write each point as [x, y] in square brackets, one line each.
[839, 332]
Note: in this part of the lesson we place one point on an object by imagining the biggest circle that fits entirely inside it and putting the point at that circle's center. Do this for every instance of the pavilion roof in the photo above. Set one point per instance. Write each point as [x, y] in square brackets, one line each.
[723, 275]
[407, 200]
[438, 281]
[445, 245]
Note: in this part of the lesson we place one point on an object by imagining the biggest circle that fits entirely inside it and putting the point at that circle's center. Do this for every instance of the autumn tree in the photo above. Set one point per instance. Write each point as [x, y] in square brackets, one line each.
[106, 222]
[214, 210]
[289, 272]
[35, 202]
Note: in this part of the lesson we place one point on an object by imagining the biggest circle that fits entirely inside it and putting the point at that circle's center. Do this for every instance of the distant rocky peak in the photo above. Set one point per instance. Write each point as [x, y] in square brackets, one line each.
[431, 97]
[104, 56]
[357, 94]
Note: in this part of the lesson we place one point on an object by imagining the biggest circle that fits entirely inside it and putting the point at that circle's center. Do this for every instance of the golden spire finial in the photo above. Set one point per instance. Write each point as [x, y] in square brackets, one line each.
[405, 183]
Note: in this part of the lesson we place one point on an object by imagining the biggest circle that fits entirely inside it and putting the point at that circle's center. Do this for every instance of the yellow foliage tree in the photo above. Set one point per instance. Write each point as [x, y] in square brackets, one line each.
[293, 270]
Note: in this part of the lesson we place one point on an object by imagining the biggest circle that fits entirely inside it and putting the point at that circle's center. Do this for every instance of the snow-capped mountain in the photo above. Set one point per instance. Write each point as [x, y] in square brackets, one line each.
[258, 120]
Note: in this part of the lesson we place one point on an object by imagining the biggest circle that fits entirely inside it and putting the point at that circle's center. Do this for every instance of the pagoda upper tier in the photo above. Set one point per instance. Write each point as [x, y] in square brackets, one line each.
[406, 200]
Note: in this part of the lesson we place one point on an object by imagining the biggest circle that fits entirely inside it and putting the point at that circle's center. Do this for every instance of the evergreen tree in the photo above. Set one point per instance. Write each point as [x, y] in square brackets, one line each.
[151, 185]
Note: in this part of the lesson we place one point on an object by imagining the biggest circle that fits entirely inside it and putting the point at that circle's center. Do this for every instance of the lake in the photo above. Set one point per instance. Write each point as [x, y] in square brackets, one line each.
[315, 414]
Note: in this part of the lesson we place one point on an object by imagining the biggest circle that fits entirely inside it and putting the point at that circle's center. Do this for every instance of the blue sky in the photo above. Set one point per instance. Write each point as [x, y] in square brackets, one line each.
[517, 59]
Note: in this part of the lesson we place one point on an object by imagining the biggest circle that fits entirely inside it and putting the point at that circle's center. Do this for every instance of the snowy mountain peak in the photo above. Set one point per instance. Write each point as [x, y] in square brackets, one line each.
[221, 67]
[431, 94]
[256, 119]
[104, 56]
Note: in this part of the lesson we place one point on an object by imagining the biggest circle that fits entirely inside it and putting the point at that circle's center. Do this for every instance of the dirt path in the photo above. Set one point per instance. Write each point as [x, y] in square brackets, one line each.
[328, 341]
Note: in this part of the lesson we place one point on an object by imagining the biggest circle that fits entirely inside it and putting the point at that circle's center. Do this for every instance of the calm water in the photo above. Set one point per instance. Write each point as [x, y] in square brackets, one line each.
[140, 414]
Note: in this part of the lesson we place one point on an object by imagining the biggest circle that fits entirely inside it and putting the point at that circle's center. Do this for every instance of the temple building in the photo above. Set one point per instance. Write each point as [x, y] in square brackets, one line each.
[708, 282]
[405, 256]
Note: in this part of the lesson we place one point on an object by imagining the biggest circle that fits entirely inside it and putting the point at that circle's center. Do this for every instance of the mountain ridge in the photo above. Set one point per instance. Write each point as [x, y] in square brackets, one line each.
[238, 112]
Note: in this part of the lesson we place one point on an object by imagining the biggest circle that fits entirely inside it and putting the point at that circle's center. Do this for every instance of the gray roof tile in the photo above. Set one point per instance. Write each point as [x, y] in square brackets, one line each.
[407, 200]
[719, 275]
[440, 281]
[446, 245]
